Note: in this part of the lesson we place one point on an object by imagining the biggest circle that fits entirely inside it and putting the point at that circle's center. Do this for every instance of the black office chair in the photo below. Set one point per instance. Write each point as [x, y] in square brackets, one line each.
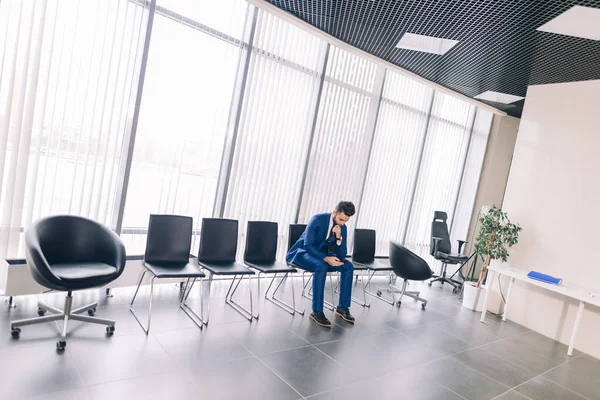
[410, 267]
[296, 230]
[260, 255]
[363, 256]
[441, 249]
[69, 253]
[218, 248]
[168, 256]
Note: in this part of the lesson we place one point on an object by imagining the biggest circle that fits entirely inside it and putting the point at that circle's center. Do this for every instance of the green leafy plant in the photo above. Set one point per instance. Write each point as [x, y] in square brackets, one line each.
[496, 234]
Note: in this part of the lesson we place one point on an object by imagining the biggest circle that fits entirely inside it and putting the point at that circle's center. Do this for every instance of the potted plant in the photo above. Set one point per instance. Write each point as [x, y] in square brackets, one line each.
[496, 234]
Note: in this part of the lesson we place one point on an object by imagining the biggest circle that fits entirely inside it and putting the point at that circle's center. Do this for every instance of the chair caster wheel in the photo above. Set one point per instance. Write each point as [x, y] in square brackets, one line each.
[455, 290]
[60, 345]
[379, 293]
[110, 330]
[41, 312]
[398, 303]
[92, 312]
[429, 284]
[15, 332]
[423, 306]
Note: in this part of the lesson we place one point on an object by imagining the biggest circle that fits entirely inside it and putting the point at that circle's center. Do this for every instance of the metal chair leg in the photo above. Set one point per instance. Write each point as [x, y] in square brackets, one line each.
[280, 303]
[379, 293]
[258, 297]
[196, 319]
[146, 329]
[248, 314]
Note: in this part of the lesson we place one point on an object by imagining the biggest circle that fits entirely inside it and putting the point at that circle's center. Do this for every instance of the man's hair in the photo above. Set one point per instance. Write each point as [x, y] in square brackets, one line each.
[346, 207]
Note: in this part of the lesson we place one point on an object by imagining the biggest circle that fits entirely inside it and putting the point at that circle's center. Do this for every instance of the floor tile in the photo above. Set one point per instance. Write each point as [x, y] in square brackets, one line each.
[511, 395]
[117, 358]
[544, 346]
[494, 367]
[463, 380]
[543, 389]
[245, 378]
[522, 356]
[308, 370]
[580, 375]
[223, 342]
[36, 369]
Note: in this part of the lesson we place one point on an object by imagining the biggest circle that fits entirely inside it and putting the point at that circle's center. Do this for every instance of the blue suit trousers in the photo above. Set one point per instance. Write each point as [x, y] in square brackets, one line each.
[320, 269]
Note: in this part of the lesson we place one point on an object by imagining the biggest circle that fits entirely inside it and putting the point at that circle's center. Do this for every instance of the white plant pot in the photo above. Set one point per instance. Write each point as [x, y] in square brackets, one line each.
[473, 296]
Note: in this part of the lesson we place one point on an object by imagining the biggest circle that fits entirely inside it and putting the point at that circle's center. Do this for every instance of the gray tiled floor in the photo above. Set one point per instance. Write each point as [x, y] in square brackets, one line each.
[391, 353]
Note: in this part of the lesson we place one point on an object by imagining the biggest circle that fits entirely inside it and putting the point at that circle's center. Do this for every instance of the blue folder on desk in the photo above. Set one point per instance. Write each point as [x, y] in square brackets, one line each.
[538, 276]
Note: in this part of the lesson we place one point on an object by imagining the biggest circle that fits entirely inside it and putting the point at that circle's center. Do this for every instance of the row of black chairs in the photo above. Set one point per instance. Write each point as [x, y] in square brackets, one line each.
[69, 253]
[168, 254]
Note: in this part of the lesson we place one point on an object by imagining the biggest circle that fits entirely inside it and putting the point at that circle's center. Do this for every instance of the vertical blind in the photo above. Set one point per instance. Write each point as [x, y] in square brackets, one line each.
[183, 118]
[394, 161]
[342, 138]
[313, 124]
[274, 131]
[67, 75]
[438, 182]
[471, 173]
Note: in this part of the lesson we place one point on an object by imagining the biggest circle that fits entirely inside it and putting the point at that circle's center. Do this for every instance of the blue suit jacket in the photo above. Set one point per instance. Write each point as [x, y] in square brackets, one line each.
[313, 240]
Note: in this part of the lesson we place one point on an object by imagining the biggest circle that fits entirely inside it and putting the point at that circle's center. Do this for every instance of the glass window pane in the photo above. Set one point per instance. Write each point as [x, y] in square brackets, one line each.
[182, 126]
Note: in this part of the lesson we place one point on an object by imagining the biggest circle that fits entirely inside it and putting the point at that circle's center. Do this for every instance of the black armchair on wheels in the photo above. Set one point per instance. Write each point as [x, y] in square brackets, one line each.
[69, 253]
[441, 250]
[410, 267]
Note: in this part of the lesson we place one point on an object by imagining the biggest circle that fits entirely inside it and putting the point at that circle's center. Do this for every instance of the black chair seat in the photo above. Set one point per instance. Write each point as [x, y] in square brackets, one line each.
[88, 271]
[227, 268]
[273, 267]
[373, 266]
[358, 266]
[174, 270]
[451, 258]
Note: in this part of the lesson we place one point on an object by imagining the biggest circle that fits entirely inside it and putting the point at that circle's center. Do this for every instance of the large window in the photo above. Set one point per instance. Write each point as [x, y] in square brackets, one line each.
[343, 134]
[241, 115]
[439, 176]
[275, 126]
[395, 159]
[183, 120]
[67, 76]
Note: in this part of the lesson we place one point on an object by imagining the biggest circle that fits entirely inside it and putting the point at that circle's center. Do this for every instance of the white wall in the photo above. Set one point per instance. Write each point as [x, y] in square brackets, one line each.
[553, 191]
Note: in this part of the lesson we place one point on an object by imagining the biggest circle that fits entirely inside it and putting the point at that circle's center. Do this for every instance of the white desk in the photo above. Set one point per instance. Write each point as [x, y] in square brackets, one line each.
[584, 296]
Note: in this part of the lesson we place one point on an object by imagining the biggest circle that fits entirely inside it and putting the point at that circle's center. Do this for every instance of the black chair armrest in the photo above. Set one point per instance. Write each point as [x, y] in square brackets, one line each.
[37, 261]
[461, 243]
[120, 253]
[436, 242]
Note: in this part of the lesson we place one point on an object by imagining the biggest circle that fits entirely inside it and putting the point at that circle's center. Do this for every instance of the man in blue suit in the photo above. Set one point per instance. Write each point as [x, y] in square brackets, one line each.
[322, 248]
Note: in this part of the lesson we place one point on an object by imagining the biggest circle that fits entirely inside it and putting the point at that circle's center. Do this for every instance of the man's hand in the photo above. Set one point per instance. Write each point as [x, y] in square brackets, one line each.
[337, 231]
[333, 261]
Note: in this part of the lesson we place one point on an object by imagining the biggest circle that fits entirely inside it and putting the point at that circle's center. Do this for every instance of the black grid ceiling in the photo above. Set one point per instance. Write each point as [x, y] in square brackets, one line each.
[499, 47]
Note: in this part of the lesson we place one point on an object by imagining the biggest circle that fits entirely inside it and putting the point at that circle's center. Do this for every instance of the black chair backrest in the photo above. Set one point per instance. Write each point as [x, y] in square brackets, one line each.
[169, 239]
[218, 240]
[69, 239]
[261, 241]
[439, 228]
[296, 230]
[73, 239]
[364, 245]
[408, 265]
